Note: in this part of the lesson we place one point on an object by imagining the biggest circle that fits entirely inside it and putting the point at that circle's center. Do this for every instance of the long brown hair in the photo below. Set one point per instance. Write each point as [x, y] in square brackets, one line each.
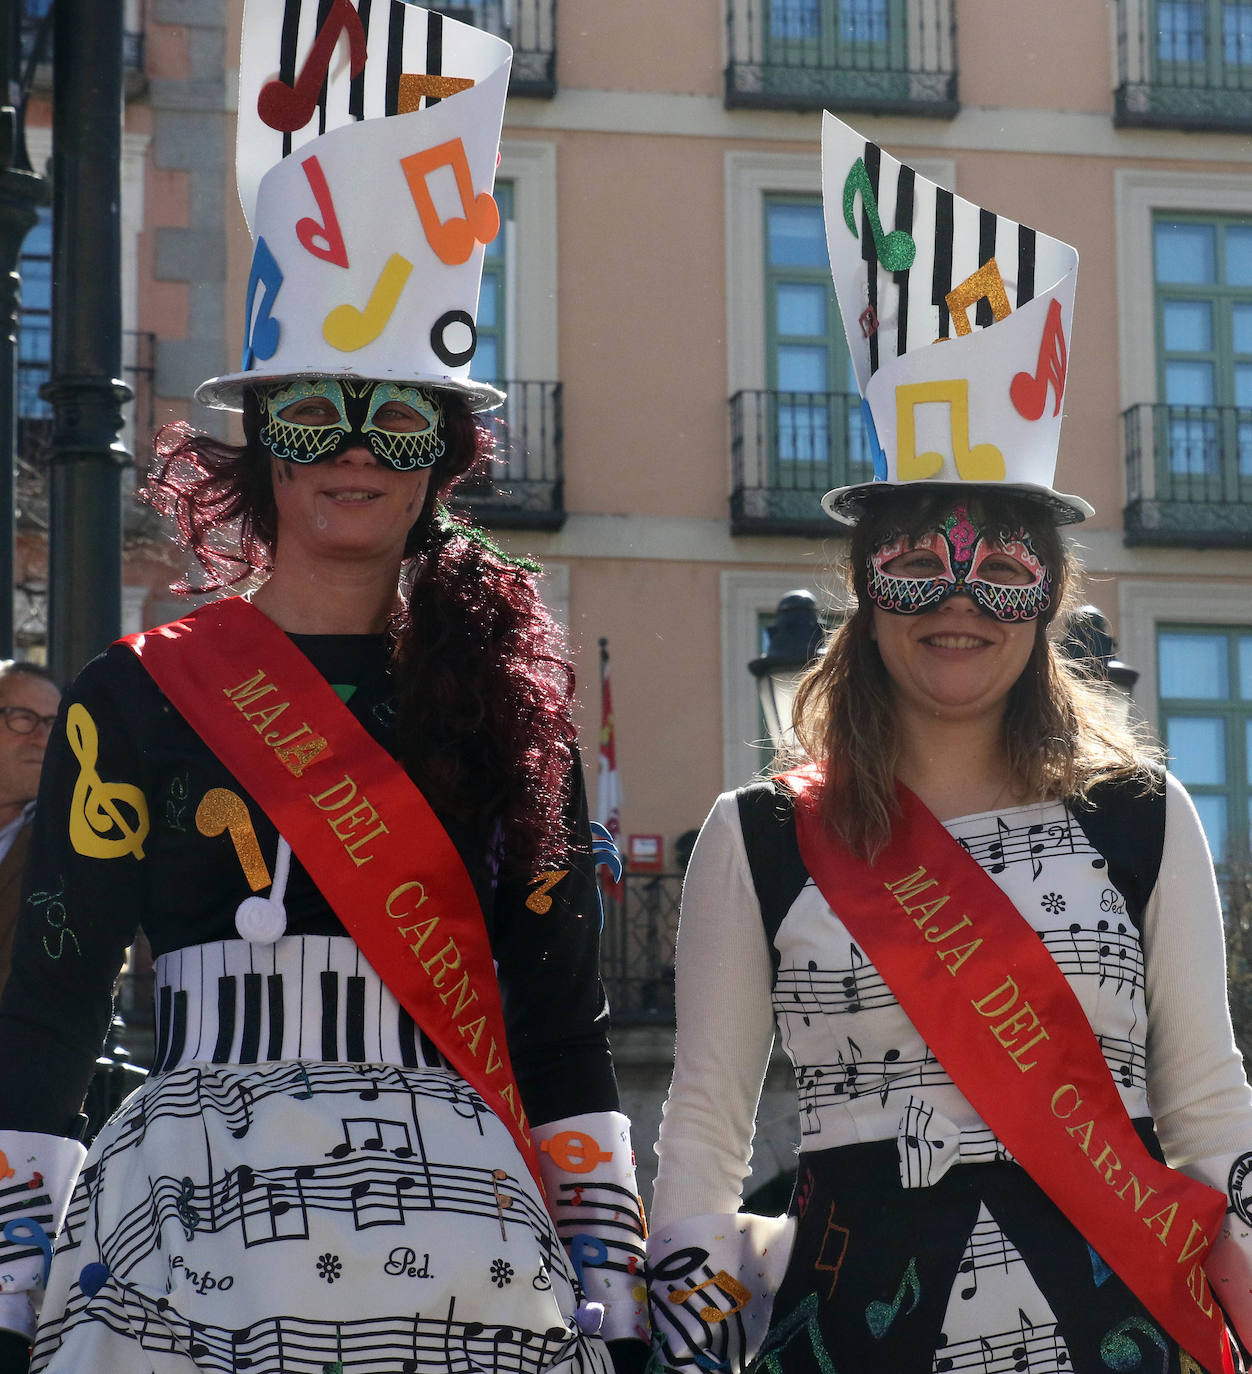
[483, 686]
[1062, 733]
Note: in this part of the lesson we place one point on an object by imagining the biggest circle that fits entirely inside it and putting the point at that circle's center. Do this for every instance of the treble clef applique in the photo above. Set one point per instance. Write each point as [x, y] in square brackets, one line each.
[99, 825]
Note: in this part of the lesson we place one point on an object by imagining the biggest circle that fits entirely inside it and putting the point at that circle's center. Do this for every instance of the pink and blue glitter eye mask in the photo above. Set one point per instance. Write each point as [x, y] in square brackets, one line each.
[357, 404]
[964, 554]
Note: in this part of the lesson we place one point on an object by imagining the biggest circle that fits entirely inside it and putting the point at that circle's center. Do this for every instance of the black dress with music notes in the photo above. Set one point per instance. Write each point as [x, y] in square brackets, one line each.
[919, 1245]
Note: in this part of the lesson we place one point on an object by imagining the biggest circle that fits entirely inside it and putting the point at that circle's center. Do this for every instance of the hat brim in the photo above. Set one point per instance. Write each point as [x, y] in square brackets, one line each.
[226, 392]
[846, 504]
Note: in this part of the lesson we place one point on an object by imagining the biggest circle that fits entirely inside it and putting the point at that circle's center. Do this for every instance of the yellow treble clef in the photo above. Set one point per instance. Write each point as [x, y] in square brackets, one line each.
[98, 828]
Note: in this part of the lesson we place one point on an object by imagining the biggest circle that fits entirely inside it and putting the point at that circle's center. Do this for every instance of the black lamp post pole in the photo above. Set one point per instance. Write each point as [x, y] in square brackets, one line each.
[21, 192]
[85, 537]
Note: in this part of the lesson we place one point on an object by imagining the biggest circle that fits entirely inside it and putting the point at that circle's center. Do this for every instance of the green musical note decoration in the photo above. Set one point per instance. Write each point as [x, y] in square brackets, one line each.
[895, 250]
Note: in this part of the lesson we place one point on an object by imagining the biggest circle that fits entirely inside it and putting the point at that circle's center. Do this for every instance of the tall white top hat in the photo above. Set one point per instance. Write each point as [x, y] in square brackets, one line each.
[958, 323]
[366, 158]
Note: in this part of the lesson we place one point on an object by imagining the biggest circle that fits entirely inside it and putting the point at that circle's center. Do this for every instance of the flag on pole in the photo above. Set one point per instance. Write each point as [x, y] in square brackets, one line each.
[609, 788]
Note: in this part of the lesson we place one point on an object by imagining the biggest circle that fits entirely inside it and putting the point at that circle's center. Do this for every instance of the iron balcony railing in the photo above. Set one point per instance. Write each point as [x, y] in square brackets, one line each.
[530, 26]
[524, 487]
[1184, 66]
[1188, 475]
[637, 947]
[787, 449]
[887, 56]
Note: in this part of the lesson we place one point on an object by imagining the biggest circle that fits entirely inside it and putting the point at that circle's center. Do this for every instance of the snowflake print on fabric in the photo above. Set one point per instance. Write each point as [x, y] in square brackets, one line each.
[329, 1267]
[1053, 903]
[501, 1272]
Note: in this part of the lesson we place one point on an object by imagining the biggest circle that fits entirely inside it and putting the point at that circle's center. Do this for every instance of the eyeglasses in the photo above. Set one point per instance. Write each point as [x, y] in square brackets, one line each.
[25, 722]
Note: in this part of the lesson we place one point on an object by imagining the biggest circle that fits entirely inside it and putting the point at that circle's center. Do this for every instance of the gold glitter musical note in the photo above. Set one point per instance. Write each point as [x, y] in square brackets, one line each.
[415, 85]
[220, 809]
[539, 900]
[985, 282]
[96, 808]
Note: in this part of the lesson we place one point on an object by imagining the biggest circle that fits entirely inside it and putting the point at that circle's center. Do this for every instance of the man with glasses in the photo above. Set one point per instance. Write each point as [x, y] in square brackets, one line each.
[28, 709]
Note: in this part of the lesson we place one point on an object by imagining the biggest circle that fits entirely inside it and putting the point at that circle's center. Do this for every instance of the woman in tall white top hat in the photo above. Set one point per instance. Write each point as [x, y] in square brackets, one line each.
[980, 916]
[381, 1133]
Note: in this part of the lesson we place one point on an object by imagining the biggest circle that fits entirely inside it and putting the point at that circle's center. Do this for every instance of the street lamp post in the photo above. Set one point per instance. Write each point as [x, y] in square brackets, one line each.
[1088, 639]
[86, 395]
[21, 193]
[794, 641]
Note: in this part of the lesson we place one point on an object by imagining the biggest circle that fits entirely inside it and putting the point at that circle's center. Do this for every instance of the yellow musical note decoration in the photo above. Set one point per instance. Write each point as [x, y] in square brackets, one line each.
[221, 809]
[347, 328]
[727, 1284]
[979, 463]
[987, 282]
[99, 828]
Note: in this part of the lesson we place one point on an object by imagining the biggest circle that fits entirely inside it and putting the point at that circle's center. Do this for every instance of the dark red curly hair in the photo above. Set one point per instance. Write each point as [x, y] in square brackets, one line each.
[483, 686]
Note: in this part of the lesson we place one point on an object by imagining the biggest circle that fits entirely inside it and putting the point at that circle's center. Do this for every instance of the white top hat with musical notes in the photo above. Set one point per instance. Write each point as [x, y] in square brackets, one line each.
[366, 158]
[958, 323]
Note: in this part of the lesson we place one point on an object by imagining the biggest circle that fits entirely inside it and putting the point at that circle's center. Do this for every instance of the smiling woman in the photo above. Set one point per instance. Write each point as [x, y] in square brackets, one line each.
[972, 890]
[371, 1130]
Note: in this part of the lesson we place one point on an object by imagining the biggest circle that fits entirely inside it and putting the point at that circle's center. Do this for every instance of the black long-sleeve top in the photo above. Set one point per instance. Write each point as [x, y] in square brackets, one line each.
[81, 910]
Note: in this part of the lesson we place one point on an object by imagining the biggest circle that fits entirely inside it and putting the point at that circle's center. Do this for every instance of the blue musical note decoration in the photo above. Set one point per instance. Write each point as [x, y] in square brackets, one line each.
[261, 335]
[29, 1231]
[586, 1252]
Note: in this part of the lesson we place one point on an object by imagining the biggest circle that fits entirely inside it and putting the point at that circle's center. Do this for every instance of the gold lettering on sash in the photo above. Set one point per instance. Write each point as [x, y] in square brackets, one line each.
[412, 904]
[463, 993]
[477, 1027]
[952, 959]
[1082, 1133]
[251, 690]
[1141, 1195]
[99, 825]
[905, 889]
[1007, 989]
[1165, 1219]
[449, 957]
[265, 716]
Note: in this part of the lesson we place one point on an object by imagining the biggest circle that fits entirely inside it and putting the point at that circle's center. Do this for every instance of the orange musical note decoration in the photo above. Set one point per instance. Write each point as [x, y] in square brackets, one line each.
[1030, 394]
[288, 108]
[986, 282]
[979, 463]
[726, 1284]
[895, 250]
[575, 1152]
[539, 901]
[347, 328]
[221, 809]
[414, 85]
[832, 1265]
[452, 239]
[324, 240]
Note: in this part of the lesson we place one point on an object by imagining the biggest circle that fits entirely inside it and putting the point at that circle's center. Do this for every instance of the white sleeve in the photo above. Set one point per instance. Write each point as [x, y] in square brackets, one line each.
[723, 981]
[1197, 1087]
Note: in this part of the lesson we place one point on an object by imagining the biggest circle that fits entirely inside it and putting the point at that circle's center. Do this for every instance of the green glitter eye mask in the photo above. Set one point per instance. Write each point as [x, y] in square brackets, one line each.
[359, 407]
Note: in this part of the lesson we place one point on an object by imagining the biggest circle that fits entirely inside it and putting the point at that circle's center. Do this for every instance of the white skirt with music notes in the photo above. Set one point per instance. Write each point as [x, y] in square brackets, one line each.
[305, 1217]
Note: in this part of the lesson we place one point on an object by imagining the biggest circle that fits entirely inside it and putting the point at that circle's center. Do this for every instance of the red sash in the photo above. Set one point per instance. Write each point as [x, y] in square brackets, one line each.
[354, 819]
[985, 995]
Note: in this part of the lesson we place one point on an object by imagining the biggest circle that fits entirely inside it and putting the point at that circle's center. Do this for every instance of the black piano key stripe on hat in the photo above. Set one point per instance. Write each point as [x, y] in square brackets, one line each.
[941, 281]
[323, 13]
[869, 249]
[984, 317]
[395, 57]
[356, 87]
[1025, 265]
[165, 1022]
[434, 50]
[904, 220]
[287, 56]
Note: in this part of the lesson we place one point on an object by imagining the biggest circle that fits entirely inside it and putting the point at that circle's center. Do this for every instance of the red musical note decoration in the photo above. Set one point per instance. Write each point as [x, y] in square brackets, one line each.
[452, 239]
[324, 240]
[1030, 394]
[868, 320]
[288, 108]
